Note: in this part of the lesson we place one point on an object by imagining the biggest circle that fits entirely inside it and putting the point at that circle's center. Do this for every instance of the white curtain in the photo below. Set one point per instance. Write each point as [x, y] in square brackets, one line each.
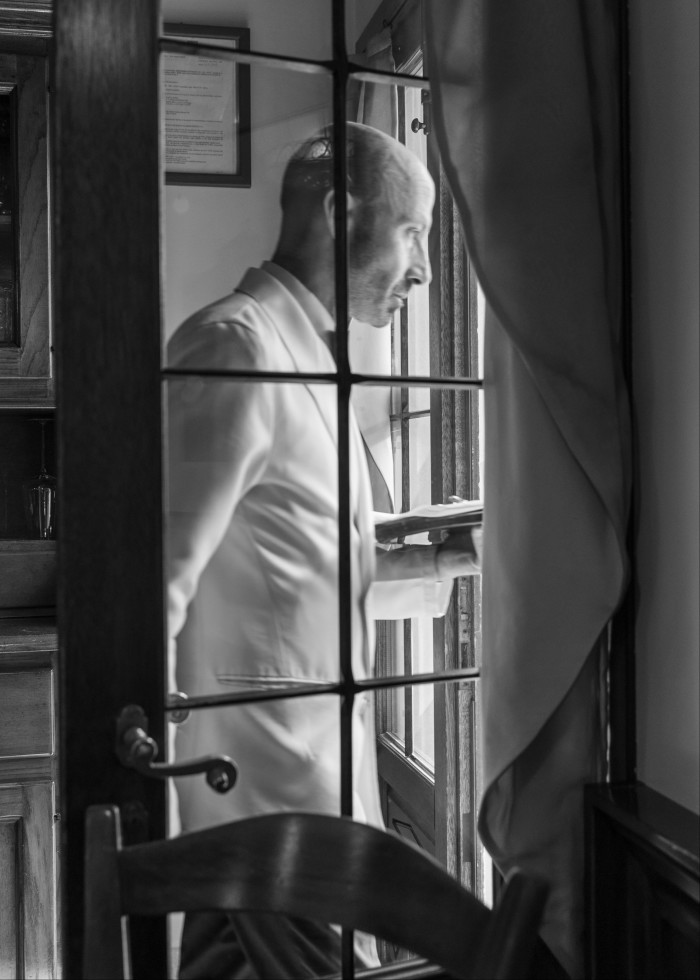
[525, 108]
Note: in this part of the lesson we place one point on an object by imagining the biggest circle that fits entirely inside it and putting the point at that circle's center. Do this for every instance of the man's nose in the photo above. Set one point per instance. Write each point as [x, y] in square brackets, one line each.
[420, 271]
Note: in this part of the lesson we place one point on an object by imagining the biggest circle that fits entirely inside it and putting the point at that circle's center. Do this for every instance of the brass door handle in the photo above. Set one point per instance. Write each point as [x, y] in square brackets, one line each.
[137, 750]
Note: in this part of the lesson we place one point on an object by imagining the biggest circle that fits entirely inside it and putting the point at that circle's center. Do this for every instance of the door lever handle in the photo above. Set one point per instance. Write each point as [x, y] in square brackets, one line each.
[137, 750]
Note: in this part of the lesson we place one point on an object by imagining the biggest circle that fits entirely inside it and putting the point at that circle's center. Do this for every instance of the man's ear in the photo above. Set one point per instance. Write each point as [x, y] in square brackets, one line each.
[329, 211]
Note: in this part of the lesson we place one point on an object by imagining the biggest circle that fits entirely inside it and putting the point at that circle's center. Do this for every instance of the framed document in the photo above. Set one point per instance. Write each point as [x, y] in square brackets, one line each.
[206, 110]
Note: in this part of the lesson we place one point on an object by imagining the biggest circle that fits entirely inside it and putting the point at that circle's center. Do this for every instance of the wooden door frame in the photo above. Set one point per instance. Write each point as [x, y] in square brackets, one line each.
[107, 312]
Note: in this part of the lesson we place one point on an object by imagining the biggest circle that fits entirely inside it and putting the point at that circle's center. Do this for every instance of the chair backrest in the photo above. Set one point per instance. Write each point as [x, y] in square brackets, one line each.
[315, 867]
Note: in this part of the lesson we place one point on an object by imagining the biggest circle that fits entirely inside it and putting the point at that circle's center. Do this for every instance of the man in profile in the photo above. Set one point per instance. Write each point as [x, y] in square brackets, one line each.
[253, 528]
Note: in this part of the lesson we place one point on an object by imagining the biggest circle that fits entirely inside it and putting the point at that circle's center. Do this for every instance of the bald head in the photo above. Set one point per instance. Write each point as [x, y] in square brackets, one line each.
[387, 187]
[376, 163]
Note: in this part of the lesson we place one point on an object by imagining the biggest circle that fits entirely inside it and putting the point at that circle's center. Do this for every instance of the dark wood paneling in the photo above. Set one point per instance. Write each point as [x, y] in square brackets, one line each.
[106, 193]
[27, 896]
[25, 26]
[643, 885]
[26, 713]
[27, 576]
[27, 642]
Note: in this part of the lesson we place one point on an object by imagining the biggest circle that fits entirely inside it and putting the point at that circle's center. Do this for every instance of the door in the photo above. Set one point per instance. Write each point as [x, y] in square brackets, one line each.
[106, 273]
[108, 312]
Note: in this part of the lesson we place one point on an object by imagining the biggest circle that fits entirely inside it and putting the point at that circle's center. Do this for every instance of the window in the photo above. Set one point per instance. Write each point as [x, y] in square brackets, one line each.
[428, 732]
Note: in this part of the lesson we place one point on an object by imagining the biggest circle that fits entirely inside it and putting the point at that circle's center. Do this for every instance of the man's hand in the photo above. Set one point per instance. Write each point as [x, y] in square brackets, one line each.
[459, 553]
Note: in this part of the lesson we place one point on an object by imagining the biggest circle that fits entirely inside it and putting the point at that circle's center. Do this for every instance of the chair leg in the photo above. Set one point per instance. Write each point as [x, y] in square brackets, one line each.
[106, 949]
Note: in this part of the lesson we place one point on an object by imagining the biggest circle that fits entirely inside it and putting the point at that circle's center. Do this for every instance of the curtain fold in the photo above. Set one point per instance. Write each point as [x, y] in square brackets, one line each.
[525, 110]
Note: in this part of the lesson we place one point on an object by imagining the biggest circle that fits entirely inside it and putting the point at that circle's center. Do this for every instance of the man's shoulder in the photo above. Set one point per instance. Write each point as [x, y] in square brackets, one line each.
[230, 332]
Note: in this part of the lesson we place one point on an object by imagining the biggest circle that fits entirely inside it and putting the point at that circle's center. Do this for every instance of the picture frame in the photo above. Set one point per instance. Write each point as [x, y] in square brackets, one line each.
[206, 110]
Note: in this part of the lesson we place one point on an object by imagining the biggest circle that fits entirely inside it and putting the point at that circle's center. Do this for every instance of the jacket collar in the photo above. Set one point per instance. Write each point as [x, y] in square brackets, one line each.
[298, 317]
[300, 321]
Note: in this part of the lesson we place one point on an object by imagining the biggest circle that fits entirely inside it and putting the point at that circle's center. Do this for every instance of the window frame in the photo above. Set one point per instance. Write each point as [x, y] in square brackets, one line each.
[454, 418]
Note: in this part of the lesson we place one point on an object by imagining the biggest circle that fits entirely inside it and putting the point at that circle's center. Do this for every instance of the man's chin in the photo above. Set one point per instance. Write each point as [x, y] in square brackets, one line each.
[378, 322]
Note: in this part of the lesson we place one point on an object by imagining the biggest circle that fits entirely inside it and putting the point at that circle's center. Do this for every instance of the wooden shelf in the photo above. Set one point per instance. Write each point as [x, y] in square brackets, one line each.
[27, 577]
[28, 642]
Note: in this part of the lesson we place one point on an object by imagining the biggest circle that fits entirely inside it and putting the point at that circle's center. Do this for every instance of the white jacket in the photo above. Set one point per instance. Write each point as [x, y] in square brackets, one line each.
[252, 556]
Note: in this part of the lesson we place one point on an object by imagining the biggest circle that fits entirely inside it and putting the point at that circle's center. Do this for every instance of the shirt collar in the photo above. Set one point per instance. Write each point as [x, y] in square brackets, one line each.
[322, 321]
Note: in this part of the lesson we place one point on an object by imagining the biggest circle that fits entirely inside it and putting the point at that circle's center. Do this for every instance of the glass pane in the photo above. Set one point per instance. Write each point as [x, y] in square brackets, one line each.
[287, 753]
[421, 458]
[401, 453]
[251, 528]
[435, 333]
[300, 30]
[213, 234]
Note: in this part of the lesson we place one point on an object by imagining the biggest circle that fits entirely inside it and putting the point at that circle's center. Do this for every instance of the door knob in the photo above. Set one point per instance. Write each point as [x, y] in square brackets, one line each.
[137, 750]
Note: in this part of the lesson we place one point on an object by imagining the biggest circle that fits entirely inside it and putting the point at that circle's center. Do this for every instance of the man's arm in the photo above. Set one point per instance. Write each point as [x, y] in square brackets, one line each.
[417, 579]
[219, 435]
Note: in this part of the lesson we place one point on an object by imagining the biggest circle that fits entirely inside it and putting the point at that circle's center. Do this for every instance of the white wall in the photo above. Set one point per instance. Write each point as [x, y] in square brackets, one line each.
[664, 162]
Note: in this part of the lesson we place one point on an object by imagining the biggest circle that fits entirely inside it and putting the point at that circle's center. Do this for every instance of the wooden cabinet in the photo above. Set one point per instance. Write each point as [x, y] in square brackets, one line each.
[28, 804]
[642, 885]
[29, 807]
[26, 371]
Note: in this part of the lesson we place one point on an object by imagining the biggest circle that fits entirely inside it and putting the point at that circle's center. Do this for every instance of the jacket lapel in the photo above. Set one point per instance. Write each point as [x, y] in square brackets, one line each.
[298, 335]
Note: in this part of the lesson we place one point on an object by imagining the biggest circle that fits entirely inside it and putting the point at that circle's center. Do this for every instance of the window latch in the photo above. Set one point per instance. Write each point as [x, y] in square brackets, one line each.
[416, 124]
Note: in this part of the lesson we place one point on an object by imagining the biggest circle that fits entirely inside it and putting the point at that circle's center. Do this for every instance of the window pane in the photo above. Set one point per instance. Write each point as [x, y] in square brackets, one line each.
[436, 333]
[251, 529]
[213, 234]
[272, 744]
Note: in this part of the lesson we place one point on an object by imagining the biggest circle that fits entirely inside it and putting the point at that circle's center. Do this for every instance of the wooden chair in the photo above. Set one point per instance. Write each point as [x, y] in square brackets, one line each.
[315, 867]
